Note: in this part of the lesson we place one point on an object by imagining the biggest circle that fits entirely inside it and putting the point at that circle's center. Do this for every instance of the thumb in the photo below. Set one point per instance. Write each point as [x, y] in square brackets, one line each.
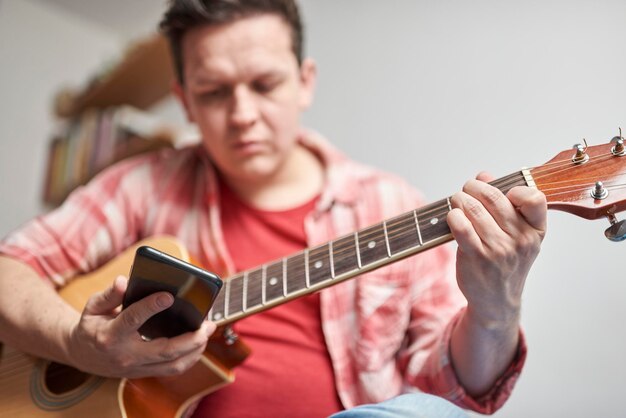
[105, 302]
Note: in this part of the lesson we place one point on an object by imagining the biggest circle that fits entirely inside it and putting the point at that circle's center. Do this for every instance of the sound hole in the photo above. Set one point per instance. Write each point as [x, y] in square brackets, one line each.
[60, 378]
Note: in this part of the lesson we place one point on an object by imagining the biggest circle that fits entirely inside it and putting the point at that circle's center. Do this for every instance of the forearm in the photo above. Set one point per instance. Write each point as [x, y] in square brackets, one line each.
[33, 318]
[481, 352]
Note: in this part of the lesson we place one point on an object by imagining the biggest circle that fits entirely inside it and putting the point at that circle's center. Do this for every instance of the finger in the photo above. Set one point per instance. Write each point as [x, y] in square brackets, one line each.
[481, 220]
[135, 315]
[169, 349]
[496, 204]
[484, 176]
[463, 232]
[531, 203]
[172, 367]
[105, 302]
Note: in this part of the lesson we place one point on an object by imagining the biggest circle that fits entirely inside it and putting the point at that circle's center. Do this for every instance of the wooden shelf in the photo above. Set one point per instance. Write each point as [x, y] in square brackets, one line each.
[142, 78]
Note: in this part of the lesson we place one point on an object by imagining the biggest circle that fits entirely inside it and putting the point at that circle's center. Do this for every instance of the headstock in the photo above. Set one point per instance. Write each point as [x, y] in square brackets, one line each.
[589, 182]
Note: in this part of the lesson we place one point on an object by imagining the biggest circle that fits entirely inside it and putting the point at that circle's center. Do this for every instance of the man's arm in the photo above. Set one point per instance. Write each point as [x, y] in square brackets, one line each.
[101, 340]
[498, 240]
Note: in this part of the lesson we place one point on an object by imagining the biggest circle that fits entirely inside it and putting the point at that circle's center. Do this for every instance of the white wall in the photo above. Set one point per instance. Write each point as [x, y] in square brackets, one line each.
[437, 91]
[41, 49]
[434, 91]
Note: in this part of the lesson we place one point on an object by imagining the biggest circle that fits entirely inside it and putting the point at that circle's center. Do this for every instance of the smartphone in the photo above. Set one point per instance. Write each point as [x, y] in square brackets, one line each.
[193, 288]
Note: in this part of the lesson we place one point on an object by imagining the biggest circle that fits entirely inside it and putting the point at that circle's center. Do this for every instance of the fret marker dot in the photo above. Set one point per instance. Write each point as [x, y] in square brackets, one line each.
[434, 221]
[273, 281]
[217, 316]
[318, 264]
[371, 244]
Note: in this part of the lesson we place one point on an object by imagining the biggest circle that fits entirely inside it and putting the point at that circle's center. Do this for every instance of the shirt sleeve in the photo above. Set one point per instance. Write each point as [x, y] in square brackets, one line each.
[95, 222]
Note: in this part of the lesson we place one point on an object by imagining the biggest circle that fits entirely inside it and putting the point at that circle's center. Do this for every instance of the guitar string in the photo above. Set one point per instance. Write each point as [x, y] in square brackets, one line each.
[542, 171]
[569, 162]
[372, 233]
[14, 362]
[375, 232]
[257, 286]
[582, 182]
[583, 189]
[565, 167]
[538, 173]
[15, 366]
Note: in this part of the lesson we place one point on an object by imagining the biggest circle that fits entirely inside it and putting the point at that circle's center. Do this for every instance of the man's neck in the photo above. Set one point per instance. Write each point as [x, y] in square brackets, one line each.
[300, 180]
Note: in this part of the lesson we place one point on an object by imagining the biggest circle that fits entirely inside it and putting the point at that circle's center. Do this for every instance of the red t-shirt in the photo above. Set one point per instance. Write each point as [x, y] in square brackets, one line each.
[289, 373]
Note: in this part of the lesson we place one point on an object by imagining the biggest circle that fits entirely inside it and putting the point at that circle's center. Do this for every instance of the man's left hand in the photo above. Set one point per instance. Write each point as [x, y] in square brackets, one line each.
[499, 237]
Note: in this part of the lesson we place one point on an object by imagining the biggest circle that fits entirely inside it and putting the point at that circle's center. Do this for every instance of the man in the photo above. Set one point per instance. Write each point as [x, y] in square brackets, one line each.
[259, 188]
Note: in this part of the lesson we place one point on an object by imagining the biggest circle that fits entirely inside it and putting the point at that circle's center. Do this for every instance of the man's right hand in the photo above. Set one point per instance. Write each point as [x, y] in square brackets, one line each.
[106, 340]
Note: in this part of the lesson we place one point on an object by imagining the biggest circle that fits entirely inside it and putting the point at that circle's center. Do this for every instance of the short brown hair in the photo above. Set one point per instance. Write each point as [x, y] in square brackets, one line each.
[183, 15]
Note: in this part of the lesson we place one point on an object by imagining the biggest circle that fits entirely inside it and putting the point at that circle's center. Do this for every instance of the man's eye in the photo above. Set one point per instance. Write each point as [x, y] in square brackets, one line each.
[213, 94]
[265, 86]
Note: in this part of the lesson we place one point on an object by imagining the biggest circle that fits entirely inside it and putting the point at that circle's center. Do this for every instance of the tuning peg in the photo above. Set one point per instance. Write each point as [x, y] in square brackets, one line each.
[581, 155]
[618, 149]
[617, 231]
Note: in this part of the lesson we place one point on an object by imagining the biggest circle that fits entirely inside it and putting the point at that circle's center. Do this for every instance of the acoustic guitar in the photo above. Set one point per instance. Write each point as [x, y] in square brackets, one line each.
[589, 182]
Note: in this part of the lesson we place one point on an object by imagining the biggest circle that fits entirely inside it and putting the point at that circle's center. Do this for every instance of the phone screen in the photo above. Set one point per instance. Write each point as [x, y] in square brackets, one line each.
[193, 288]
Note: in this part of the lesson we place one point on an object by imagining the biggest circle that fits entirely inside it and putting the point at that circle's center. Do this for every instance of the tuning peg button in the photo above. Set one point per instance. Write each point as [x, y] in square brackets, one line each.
[599, 192]
[619, 149]
[617, 231]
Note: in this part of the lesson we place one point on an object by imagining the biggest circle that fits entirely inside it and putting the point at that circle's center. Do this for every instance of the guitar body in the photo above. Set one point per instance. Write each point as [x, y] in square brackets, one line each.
[31, 387]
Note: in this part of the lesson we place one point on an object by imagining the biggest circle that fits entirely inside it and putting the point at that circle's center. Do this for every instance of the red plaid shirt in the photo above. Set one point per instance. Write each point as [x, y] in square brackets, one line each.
[387, 331]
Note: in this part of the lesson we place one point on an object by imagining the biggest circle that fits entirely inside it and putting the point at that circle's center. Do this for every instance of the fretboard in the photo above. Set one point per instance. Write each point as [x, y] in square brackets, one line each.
[325, 265]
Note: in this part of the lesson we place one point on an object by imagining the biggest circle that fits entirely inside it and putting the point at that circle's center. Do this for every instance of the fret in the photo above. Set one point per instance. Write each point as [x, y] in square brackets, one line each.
[387, 239]
[306, 268]
[371, 245]
[234, 296]
[319, 265]
[332, 262]
[417, 226]
[263, 284]
[254, 288]
[273, 282]
[344, 255]
[226, 292]
[217, 311]
[432, 220]
[402, 233]
[284, 276]
[358, 253]
[245, 290]
[295, 274]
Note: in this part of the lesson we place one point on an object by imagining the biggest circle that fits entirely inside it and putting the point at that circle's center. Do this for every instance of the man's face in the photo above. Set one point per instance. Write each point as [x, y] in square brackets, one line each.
[245, 91]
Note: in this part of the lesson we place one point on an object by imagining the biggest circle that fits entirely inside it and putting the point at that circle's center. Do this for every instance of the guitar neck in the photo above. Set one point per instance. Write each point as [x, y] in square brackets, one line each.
[315, 268]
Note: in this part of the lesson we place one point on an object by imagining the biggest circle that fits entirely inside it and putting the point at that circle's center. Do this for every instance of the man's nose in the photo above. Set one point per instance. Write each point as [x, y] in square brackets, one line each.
[245, 109]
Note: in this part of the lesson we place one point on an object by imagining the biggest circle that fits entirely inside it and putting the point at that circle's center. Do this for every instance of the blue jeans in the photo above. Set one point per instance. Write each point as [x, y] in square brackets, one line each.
[414, 405]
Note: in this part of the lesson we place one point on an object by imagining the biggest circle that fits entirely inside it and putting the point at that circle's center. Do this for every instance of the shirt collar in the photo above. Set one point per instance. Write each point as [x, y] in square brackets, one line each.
[341, 185]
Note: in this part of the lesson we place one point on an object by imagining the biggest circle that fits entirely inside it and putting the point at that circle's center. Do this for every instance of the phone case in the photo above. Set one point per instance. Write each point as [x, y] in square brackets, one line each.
[194, 290]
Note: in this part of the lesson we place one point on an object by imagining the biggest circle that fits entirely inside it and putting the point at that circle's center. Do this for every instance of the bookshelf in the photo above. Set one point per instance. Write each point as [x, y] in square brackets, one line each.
[140, 79]
[109, 119]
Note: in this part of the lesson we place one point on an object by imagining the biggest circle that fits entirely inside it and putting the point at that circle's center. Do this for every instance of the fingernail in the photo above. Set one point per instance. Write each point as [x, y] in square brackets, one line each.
[164, 300]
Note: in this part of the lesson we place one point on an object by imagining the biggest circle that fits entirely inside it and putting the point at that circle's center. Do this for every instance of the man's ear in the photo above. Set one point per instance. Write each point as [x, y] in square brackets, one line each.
[308, 80]
[179, 91]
